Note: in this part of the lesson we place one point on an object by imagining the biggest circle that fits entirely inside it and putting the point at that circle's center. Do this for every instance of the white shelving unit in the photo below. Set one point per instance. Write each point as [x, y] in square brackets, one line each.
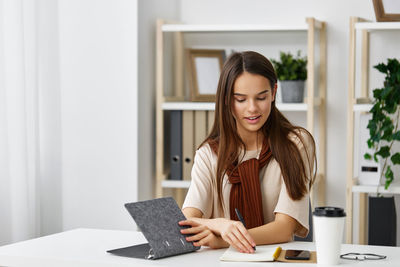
[165, 104]
[360, 25]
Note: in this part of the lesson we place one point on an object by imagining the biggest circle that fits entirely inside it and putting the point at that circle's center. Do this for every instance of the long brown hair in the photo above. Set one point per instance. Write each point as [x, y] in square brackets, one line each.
[277, 128]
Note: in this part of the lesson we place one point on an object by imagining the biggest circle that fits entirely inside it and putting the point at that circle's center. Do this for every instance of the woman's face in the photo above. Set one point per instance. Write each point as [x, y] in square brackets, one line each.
[251, 106]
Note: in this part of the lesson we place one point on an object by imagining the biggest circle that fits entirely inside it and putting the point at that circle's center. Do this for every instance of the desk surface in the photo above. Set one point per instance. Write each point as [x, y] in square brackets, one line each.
[87, 247]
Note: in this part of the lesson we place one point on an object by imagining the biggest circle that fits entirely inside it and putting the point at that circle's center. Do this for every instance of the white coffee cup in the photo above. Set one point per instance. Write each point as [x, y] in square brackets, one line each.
[328, 232]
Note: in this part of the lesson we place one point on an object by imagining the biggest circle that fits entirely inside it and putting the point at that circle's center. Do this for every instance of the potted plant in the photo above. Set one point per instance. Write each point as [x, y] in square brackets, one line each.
[383, 133]
[292, 73]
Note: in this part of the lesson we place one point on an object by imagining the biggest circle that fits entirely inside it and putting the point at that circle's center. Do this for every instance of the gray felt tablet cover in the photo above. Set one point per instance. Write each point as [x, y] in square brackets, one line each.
[158, 220]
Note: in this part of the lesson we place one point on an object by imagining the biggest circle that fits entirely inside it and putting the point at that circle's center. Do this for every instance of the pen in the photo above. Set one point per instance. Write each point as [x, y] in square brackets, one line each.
[242, 220]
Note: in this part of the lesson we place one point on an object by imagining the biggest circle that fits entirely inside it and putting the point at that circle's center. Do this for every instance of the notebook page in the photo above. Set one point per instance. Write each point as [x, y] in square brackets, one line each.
[263, 253]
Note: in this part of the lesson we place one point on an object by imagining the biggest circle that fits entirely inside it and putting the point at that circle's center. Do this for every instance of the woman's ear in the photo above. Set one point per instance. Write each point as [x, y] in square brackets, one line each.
[274, 91]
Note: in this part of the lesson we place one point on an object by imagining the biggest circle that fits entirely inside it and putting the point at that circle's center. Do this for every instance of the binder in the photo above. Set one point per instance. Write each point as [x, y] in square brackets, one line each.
[200, 127]
[187, 143]
[210, 120]
[158, 220]
[176, 145]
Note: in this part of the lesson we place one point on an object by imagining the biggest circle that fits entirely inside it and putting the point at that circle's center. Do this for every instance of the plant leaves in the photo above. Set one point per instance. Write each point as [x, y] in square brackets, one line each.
[384, 152]
[376, 138]
[377, 93]
[388, 176]
[395, 158]
[290, 67]
[372, 126]
[370, 143]
[396, 136]
[389, 172]
[381, 126]
[381, 67]
[387, 128]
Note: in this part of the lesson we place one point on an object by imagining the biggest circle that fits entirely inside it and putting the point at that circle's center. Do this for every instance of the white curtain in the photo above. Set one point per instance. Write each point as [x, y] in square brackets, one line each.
[19, 198]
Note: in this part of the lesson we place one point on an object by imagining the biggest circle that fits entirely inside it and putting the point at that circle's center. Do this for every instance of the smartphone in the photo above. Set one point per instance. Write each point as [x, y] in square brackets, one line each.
[292, 254]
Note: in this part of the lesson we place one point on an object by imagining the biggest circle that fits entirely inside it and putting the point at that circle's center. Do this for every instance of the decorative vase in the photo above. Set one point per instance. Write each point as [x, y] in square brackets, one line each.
[292, 91]
[381, 221]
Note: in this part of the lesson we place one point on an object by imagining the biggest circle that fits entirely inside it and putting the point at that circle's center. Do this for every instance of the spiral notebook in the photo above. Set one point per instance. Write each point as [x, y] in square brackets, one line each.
[158, 220]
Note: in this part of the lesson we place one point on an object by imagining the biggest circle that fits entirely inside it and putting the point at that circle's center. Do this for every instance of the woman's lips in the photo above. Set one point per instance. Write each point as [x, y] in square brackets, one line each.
[253, 119]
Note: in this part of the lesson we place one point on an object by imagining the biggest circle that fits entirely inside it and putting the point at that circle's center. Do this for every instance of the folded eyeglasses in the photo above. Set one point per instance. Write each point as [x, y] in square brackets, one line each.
[362, 256]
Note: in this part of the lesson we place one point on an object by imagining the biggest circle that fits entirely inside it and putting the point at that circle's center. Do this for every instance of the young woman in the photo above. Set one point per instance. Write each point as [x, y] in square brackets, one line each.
[254, 160]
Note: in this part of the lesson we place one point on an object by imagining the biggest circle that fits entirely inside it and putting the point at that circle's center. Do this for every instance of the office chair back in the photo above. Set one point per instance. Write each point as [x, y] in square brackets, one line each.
[309, 237]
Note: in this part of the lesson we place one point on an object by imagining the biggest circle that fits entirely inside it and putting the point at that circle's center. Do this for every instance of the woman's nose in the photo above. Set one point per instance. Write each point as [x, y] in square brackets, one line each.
[252, 105]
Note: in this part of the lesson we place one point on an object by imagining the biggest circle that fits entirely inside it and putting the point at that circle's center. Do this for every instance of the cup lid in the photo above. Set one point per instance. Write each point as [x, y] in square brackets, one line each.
[329, 212]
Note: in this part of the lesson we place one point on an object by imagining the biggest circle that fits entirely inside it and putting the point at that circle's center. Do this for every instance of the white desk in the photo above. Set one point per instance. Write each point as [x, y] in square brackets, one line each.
[87, 247]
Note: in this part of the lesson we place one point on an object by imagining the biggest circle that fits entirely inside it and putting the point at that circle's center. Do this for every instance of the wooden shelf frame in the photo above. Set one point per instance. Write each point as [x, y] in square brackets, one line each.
[310, 26]
[365, 27]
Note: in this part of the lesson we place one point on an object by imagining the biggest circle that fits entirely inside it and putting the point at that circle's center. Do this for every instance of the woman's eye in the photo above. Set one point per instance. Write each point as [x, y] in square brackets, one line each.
[240, 100]
[261, 98]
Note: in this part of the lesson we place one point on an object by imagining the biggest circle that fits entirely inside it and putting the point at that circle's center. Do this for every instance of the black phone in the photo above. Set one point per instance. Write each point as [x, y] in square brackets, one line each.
[292, 254]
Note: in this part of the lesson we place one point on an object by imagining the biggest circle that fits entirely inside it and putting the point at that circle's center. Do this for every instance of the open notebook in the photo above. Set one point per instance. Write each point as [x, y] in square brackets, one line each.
[263, 253]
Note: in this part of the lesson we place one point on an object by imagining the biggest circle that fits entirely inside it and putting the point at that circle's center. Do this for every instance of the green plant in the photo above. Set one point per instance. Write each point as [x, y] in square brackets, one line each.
[291, 68]
[384, 125]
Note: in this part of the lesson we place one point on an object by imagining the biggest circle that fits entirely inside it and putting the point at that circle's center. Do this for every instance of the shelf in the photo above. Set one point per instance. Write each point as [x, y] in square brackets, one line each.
[394, 188]
[377, 26]
[362, 107]
[175, 184]
[291, 107]
[188, 106]
[231, 28]
[211, 106]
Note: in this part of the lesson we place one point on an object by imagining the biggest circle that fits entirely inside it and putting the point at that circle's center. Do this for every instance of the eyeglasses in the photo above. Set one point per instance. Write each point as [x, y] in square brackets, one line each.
[362, 256]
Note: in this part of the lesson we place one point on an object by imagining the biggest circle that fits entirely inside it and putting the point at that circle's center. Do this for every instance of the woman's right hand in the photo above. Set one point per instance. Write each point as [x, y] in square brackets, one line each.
[234, 233]
[200, 235]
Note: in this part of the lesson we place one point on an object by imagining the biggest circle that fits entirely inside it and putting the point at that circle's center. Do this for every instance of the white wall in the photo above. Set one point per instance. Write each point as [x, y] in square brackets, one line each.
[150, 11]
[98, 86]
[91, 118]
[49, 118]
